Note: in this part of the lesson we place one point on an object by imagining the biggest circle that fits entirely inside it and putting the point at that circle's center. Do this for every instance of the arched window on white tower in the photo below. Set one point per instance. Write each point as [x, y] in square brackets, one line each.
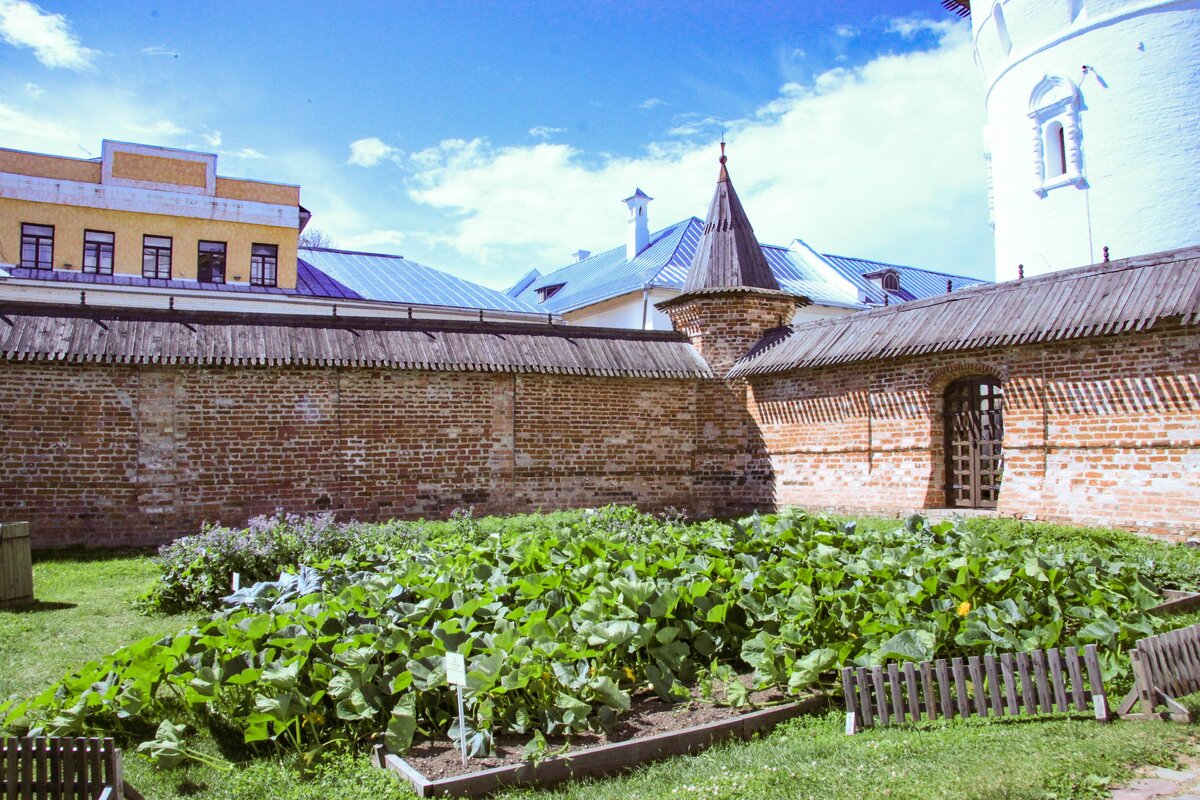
[1001, 29]
[1057, 152]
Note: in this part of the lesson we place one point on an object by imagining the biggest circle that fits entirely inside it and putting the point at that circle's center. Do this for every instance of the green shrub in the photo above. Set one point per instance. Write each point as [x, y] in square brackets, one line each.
[563, 617]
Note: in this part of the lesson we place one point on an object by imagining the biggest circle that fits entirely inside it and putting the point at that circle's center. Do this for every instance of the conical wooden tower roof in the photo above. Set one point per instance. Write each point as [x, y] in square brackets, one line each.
[728, 255]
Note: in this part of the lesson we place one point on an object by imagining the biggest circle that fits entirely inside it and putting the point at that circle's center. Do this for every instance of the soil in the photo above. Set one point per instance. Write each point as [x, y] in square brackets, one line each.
[647, 716]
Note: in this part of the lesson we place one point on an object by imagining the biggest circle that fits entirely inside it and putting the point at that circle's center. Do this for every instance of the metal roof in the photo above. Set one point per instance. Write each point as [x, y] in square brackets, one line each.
[42, 333]
[70, 276]
[664, 262]
[1131, 294]
[826, 280]
[728, 254]
[395, 279]
[333, 274]
[915, 283]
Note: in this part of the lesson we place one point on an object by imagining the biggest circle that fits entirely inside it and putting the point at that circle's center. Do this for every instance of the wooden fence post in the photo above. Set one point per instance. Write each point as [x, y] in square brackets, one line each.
[16, 564]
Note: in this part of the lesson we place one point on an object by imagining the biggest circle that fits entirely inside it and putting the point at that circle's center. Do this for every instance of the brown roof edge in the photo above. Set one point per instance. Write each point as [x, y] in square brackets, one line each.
[1138, 292]
[680, 299]
[116, 313]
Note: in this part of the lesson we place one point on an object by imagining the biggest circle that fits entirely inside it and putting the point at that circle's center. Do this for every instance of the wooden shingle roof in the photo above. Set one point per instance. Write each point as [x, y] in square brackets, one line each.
[728, 255]
[30, 332]
[1119, 296]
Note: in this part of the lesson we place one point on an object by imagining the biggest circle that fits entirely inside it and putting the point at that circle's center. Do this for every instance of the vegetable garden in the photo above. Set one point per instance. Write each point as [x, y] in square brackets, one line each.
[562, 619]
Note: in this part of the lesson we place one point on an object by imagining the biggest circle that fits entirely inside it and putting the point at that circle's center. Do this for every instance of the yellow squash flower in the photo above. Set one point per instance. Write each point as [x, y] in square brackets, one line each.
[964, 608]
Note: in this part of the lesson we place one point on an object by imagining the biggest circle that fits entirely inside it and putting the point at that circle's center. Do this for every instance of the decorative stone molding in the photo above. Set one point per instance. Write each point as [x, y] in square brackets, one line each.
[1056, 99]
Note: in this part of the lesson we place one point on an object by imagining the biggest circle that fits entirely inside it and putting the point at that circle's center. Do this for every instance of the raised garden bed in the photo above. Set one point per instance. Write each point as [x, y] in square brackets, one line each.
[650, 731]
[1177, 602]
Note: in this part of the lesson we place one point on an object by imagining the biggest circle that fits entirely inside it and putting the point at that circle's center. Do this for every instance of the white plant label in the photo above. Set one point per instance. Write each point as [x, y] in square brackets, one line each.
[456, 669]
[850, 725]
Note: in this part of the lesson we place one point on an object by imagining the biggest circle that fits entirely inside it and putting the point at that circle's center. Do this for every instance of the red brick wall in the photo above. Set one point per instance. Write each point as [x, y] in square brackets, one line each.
[1099, 431]
[112, 455]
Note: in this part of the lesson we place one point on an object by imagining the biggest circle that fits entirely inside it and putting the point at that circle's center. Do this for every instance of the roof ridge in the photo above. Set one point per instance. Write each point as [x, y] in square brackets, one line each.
[1016, 284]
[907, 266]
[353, 252]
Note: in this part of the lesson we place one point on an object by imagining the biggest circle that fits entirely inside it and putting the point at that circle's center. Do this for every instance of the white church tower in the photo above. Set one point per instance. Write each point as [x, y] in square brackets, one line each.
[1093, 128]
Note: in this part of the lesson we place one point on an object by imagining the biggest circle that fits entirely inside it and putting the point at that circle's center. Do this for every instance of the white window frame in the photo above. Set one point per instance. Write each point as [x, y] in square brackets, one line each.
[1056, 99]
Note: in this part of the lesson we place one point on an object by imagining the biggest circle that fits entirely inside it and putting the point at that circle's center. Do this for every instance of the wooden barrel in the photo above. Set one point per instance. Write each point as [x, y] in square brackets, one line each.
[16, 565]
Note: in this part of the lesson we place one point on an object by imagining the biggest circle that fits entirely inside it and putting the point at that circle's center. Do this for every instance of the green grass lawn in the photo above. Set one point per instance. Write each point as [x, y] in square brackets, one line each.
[84, 611]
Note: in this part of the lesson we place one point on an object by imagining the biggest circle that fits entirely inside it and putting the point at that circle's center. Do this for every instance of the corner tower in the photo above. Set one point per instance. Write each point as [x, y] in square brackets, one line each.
[731, 296]
[1093, 120]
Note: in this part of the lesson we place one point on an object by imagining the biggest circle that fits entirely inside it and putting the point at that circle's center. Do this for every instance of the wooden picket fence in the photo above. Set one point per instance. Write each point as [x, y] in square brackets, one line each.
[1165, 667]
[61, 769]
[1011, 684]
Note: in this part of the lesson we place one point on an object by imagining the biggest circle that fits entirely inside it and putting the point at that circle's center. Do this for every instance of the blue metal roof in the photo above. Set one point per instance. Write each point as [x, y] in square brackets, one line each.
[915, 283]
[664, 262]
[824, 279]
[334, 274]
[71, 276]
[324, 272]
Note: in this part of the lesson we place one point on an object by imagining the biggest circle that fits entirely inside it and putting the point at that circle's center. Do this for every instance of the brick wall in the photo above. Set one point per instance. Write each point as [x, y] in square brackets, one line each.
[109, 455]
[1101, 431]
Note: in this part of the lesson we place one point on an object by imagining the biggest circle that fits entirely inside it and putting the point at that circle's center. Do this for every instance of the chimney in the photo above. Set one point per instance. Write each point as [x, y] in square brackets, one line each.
[580, 255]
[639, 224]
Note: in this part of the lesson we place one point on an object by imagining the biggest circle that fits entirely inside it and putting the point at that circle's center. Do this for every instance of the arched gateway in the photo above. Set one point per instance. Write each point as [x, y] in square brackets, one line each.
[974, 428]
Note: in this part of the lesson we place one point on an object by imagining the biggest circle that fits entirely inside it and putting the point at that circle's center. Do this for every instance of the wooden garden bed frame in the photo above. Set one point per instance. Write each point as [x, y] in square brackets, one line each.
[596, 761]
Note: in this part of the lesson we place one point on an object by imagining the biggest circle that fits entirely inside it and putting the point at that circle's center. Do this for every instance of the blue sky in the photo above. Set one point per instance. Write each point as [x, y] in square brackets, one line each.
[487, 138]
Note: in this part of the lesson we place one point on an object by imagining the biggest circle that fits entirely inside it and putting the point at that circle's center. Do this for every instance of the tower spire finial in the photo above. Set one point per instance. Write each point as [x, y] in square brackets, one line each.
[724, 158]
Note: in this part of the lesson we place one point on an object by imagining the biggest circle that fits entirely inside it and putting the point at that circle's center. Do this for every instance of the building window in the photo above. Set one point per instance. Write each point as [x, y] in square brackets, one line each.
[1057, 139]
[890, 282]
[210, 262]
[37, 246]
[156, 257]
[98, 252]
[264, 265]
[546, 292]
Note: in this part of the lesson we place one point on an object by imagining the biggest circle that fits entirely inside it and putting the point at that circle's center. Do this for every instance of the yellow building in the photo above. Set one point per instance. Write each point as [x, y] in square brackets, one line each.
[153, 212]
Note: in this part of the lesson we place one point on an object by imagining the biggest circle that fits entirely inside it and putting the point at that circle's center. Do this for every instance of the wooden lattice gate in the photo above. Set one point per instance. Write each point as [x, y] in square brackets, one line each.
[974, 427]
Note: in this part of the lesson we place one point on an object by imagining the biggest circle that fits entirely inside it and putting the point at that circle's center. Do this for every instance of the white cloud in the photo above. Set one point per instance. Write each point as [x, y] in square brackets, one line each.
[695, 125]
[652, 102]
[845, 31]
[213, 138]
[799, 52]
[370, 151]
[910, 27]
[544, 131]
[159, 50]
[33, 90]
[245, 152]
[23, 24]
[375, 239]
[163, 128]
[879, 161]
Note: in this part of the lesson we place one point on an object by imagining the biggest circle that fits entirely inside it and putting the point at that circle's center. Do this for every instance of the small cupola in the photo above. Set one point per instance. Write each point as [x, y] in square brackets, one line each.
[639, 224]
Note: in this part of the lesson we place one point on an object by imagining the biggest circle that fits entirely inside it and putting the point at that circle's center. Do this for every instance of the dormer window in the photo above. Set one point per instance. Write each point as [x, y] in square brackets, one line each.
[544, 293]
[1058, 157]
[886, 279]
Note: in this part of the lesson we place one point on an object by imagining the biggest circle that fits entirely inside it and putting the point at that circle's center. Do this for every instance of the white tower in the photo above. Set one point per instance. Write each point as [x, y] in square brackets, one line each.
[639, 224]
[1093, 131]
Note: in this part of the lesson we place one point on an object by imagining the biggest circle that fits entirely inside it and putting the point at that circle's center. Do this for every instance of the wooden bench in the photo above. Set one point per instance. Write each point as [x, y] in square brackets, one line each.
[1010, 684]
[1165, 667]
[61, 769]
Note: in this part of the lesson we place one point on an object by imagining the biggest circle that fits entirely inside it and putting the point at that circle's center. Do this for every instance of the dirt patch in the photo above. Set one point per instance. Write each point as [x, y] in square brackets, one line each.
[647, 716]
